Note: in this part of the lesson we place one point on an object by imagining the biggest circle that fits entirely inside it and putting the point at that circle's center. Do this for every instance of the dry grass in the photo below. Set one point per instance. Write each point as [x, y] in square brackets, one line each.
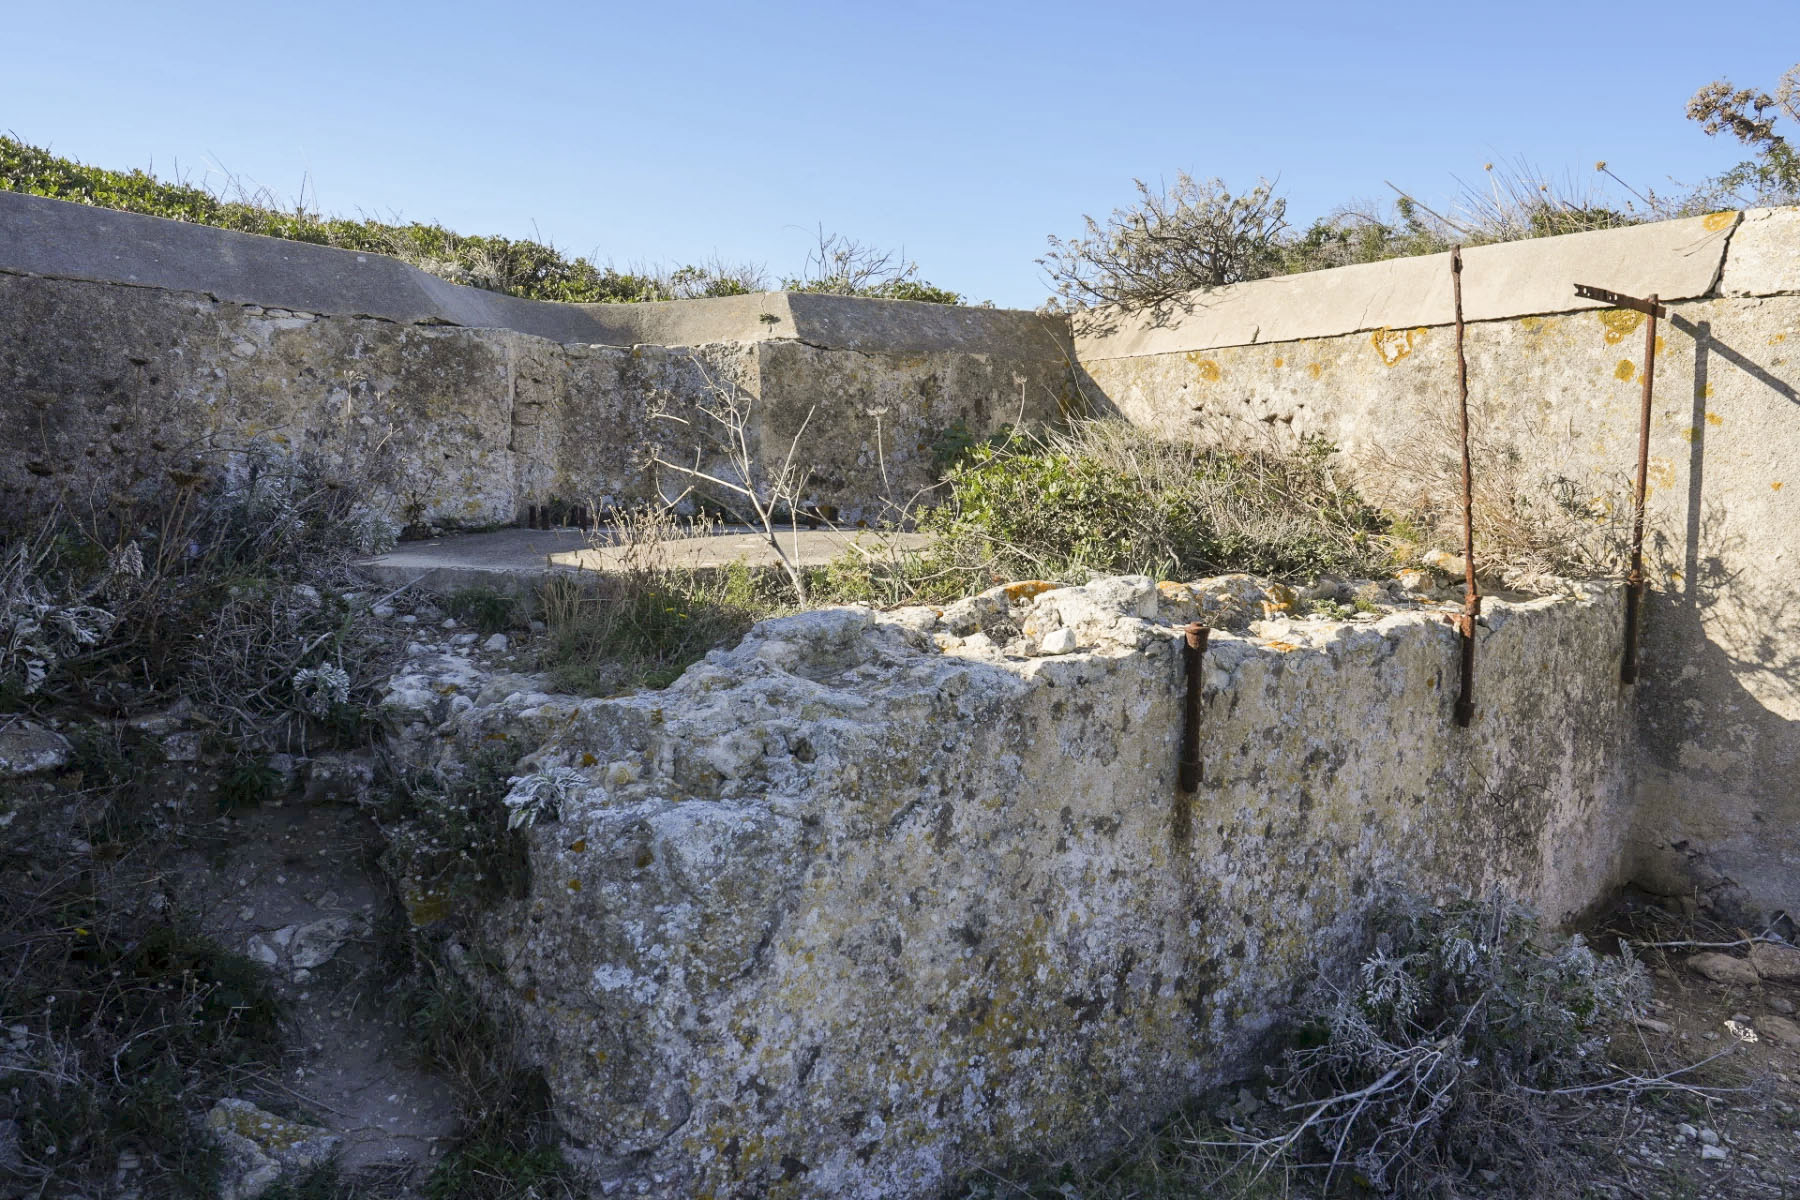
[1531, 528]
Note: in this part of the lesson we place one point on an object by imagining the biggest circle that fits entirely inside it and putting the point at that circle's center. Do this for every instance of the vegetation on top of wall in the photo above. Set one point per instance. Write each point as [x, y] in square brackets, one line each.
[1108, 497]
[1199, 234]
[516, 266]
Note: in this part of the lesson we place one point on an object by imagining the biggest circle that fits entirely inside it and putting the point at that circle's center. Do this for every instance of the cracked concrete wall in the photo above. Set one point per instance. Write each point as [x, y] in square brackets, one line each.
[132, 346]
[1365, 356]
[876, 900]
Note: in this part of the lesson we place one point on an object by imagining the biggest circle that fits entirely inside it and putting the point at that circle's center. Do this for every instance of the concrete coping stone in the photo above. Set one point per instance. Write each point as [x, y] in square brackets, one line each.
[65, 240]
[1677, 260]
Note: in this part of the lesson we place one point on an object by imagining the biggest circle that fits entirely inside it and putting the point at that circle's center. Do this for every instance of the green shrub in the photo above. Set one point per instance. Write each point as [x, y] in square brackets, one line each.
[1107, 498]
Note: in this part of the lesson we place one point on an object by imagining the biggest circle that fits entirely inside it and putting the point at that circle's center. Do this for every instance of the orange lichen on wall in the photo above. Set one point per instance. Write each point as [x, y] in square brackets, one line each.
[1620, 323]
[1394, 344]
[1207, 368]
[1026, 589]
[1718, 220]
[1626, 370]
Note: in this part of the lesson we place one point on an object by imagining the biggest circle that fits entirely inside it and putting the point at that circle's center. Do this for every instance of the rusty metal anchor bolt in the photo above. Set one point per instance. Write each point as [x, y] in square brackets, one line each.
[1193, 652]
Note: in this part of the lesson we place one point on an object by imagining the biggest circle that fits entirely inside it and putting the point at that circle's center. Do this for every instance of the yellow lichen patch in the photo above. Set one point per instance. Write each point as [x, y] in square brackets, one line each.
[1315, 369]
[1171, 590]
[1690, 434]
[1714, 222]
[1713, 418]
[1776, 486]
[1017, 593]
[1280, 361]
[588, 760]
[499, 735]
[1208, 368]
[1662, 473]
[1536, 324]
[1706, 392]
[578, 845]
[1620, 323]
[574, 885]
[1393, 344]
[1280, 599]
[1284, 647]
[1626, 370]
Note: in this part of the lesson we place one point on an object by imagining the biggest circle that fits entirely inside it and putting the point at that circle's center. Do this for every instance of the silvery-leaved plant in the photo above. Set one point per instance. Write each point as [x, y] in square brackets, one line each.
[319, 688]
[541, 795]
[36, 630]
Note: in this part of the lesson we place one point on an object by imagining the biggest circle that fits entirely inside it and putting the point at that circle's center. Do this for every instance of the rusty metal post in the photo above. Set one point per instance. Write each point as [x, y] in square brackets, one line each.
[1465, 696]
[1193, 652]
[1634, 582]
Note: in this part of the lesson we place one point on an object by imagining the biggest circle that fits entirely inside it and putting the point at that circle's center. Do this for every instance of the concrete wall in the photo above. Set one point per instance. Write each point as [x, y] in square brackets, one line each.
[1363, 356]
[131, 346]
[875, 900]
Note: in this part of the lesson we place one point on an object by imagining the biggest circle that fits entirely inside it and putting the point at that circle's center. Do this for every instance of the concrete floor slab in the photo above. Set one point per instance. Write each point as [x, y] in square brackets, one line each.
[511, 559]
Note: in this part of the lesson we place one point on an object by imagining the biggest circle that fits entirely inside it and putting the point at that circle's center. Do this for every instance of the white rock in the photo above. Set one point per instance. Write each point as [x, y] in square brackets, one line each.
[1710, 1136]
[465, 639]
[1714, 1153]
[260, 1146]
[28, 748]
[316, 942]
[496, 644]
[1060, 642]
[383, 611]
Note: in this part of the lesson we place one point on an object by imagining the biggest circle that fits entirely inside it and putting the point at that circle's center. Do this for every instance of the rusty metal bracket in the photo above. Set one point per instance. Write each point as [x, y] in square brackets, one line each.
[1634, 581]
[1193, 653]
[1649, 307]
[1465, 696]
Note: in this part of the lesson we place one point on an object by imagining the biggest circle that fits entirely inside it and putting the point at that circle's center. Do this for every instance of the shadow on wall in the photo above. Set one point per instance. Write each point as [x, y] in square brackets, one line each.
[1720, 680]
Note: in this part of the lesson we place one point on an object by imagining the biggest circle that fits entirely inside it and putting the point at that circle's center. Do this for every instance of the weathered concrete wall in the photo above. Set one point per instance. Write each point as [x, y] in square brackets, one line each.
[877, 899]
[1364, 357]
[131, 345]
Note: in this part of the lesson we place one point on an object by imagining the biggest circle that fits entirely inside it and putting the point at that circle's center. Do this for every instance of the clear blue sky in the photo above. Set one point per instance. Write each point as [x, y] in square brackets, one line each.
[964, 131]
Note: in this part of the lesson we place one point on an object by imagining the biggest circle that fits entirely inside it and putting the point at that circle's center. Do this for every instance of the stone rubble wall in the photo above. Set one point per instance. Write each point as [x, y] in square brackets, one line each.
[132, 347]
[874, 900]
[1365, 356]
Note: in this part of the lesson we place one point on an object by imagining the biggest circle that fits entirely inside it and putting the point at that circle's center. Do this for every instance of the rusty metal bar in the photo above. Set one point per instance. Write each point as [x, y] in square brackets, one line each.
[1193, 652]
[1634, 580]
[1465, 696]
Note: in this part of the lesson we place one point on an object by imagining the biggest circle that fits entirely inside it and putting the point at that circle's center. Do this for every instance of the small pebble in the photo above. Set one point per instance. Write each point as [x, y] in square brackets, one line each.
[409, 619]
[384, 611]
[497, 644]
[449, 622]
[1714, 1153]
[1709, 1136]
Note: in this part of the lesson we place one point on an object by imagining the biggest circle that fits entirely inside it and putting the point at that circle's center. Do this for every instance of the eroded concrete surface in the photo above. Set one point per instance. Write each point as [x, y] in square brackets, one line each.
[875, 898]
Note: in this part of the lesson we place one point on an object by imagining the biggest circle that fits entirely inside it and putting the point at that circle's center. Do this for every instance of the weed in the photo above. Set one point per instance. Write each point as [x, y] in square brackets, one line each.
[125, 1026]
[249, 785]
[486, 609]
[643, 623]
[452, 836]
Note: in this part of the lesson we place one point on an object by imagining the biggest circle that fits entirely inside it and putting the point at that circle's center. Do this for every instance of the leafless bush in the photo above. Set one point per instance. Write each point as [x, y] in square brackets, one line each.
[757, 492]
[1173, 242]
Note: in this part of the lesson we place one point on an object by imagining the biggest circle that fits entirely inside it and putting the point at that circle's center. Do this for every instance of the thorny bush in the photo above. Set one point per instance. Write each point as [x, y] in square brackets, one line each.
[1437, 1056]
